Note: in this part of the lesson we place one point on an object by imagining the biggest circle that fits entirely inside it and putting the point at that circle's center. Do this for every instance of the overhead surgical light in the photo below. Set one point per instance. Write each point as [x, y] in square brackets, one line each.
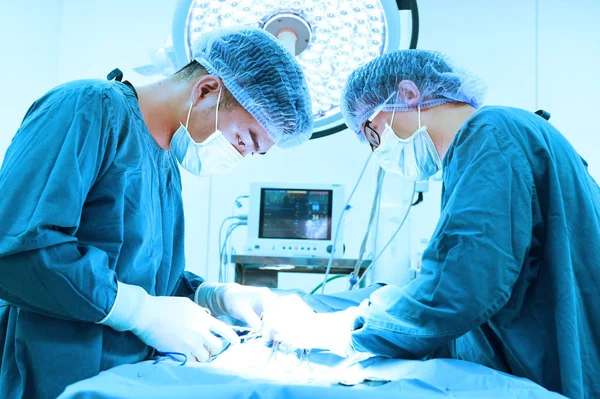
[330, 38]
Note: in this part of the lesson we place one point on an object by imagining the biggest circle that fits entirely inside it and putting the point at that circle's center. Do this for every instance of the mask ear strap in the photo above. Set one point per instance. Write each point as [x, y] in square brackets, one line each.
[217, 112]
[394, 110]
[189, 113]
[419, 114]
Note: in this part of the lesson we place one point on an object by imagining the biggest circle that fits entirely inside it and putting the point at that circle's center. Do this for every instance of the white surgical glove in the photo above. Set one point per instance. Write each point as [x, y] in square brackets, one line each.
[241, 302]
[296, 324]
[169, 324]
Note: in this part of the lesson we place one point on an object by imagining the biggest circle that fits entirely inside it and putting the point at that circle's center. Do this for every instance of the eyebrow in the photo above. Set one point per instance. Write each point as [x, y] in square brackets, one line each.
[254, 138]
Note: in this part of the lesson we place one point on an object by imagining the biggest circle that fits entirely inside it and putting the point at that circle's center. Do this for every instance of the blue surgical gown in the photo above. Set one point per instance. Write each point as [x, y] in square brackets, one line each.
[510, 278]
[87, 198]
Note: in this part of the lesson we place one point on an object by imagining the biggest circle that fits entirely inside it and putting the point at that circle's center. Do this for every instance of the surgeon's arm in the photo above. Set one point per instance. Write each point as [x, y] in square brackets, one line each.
[63, 146]
[474, 257]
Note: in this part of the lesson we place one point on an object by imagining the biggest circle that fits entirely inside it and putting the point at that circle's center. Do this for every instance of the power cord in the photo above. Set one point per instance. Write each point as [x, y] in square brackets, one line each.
[328, 280]
[374, 207]
[337, 230]
[242, 220]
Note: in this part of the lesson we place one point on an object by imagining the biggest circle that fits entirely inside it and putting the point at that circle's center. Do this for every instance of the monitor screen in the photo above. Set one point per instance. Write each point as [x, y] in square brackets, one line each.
[298, 214]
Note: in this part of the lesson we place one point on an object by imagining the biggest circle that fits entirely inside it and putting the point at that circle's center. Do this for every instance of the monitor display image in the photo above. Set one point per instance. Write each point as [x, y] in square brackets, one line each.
[298, 214]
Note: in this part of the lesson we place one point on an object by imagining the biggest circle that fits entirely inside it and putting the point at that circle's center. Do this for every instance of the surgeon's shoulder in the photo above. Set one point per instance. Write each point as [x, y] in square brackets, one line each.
[83, 97]
[90, 91]
[491, 129]
[488, 121]
[502, 118]
[102, 104]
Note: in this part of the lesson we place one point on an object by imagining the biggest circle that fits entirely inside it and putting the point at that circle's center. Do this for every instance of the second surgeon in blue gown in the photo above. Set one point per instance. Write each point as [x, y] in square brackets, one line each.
[91, 217]
[510, 277]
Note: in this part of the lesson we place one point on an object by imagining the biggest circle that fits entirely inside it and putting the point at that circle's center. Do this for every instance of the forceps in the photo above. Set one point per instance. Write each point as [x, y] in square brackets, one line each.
[303, 355]
[247, 333]
[274, 350]
[304, 358]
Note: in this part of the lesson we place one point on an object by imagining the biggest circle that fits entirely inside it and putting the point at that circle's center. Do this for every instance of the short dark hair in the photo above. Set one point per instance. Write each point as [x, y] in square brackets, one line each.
[194, 70]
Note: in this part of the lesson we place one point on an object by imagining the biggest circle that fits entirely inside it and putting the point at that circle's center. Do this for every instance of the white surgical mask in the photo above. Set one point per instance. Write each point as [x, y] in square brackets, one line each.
[412, 159]
[214, 156]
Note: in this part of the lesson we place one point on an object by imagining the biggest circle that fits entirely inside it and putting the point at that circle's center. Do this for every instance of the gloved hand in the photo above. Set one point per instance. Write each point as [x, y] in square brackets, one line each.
[169, 324]
[241, 302]
[295, 324]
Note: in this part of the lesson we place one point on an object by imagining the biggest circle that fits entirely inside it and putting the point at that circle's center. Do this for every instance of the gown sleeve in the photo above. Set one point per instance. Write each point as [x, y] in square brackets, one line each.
[474, 257]
[65, 143]
[187, 285]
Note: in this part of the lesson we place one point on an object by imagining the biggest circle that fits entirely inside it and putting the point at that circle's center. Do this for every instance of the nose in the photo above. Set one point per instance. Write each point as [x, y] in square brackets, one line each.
[242, 150]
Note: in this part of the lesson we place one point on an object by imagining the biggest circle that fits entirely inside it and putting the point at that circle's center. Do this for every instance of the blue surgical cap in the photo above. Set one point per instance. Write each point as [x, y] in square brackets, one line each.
[436, 77]
[264, 78]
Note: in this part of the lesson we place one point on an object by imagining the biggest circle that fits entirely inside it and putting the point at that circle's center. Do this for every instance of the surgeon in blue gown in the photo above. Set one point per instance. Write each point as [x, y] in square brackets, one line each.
[91, 216]
[510, 277]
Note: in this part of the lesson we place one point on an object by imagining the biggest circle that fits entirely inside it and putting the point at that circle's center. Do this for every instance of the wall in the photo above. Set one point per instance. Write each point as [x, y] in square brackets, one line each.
[532, 53]
[29, 64]
[568, 68]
